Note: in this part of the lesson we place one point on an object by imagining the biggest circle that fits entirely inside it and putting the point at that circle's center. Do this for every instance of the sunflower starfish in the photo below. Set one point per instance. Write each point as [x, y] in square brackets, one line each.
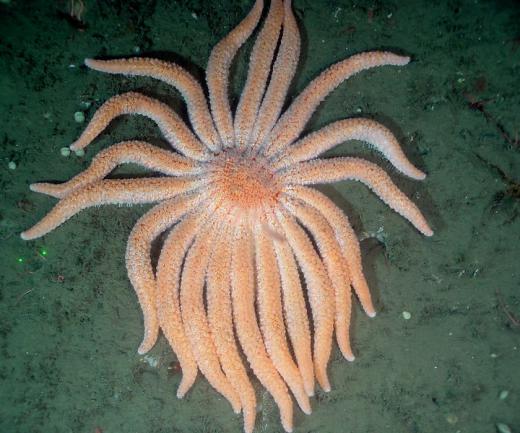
[235, 199]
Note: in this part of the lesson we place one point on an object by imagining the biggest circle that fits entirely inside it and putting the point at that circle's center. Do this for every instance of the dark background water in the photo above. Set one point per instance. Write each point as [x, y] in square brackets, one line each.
[69, 320]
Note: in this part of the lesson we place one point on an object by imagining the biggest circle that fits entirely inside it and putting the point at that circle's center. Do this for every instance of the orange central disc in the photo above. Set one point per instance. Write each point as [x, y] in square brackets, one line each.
[243, 181]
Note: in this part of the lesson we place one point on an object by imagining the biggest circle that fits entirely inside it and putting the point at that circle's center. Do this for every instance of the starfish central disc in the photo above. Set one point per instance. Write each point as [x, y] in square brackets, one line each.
[243, 181]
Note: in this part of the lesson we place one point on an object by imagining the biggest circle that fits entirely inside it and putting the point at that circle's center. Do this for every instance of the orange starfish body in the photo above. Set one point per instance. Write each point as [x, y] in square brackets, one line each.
[243, 222]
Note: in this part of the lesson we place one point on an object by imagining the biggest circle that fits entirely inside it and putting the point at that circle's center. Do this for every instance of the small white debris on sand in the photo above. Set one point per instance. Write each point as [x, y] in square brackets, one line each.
[452, 418]
[503, 428]
[79, 116]
[503, 394]
[152, 361]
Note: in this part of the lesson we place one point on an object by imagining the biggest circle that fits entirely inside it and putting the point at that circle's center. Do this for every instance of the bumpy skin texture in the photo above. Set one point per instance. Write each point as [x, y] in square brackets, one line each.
[242, 221]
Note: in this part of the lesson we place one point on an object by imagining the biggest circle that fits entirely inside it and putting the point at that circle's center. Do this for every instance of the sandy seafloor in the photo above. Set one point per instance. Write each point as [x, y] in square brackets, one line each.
[69, 320]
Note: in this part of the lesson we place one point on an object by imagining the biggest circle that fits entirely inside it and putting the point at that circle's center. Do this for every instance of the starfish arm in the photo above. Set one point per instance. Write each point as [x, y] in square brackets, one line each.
[351, 129]
[135, 152]
[217, 72]
[175, 76]
[194, 316]
[169, 269]
[346, 237]
[283, 72]
[321, 296]
[269, 304]
[292, 122]
[127, 191]
[335, 265]
[336, 169]
[296, 313]
[220, 317]
[259, 69]
[170, 124]
[139, 262]
[246, 326]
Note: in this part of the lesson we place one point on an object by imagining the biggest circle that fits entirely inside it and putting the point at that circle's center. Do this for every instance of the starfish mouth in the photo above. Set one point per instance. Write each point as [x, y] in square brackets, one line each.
[243, 181]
